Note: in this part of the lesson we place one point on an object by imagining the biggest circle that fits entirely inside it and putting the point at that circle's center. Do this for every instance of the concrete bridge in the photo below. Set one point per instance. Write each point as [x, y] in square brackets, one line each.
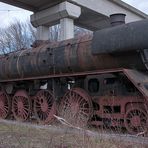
[89, 14]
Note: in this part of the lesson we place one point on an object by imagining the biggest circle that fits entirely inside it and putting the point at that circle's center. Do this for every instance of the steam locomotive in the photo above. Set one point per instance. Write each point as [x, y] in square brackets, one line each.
[98, 80]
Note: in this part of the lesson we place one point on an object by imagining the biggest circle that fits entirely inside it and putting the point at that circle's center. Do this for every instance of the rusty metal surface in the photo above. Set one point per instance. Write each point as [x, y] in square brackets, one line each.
[66, 75]
[121, 101]
[131, 113]
[67, 57]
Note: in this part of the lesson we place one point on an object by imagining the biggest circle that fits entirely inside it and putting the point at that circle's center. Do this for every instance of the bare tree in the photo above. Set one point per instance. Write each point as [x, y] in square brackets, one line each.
[22, 35]
[79, 32]
[16, 37]
[54, 32]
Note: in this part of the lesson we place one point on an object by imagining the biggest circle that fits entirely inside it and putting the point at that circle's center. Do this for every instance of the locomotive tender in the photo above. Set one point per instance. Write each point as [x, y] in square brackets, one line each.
[100, 80]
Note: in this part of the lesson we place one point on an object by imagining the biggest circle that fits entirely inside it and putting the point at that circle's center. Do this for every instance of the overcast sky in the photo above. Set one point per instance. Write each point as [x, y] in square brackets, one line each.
[9, 13]
[139, 4]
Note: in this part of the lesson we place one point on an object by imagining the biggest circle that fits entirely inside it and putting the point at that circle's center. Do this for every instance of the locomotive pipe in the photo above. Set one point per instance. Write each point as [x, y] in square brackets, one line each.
[122, 38]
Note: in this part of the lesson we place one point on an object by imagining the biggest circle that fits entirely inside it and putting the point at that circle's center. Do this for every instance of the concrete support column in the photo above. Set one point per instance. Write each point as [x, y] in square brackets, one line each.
[63, 13]
[42, 33]
[67, 29]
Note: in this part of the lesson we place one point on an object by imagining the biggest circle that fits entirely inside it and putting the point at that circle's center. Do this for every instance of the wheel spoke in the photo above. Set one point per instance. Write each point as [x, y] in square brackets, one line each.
[5, 105]
[136, 120]
[44, 107]
[21, 105]
[73, 107]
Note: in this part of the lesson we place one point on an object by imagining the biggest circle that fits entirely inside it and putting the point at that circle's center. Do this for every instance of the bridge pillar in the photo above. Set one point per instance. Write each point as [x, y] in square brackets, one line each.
[67, 28]
[42, 33]
[63, 13]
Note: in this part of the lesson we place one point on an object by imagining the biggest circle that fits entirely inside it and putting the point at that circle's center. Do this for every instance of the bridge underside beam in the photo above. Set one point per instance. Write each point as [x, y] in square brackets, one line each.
[63, 13]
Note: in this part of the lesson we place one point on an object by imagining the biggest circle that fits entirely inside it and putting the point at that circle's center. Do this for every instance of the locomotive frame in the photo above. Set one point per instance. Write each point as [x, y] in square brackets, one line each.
[80, 80]
[108, 105]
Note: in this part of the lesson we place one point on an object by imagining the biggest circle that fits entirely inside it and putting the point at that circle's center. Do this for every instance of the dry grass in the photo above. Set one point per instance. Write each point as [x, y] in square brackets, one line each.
[23, 136]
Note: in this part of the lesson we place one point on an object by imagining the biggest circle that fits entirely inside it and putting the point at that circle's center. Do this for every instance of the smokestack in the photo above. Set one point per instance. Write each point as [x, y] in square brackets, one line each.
[117, 19]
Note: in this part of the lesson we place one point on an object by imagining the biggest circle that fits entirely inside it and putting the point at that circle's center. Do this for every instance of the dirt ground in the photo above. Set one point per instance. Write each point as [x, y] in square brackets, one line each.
[18, 135]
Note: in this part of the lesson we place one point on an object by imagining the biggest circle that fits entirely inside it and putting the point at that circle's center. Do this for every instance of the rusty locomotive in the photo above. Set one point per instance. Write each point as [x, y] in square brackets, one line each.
[100, 80]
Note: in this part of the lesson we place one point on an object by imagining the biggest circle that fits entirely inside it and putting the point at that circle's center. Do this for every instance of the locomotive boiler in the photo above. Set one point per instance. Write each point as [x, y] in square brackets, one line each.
[96, 80]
